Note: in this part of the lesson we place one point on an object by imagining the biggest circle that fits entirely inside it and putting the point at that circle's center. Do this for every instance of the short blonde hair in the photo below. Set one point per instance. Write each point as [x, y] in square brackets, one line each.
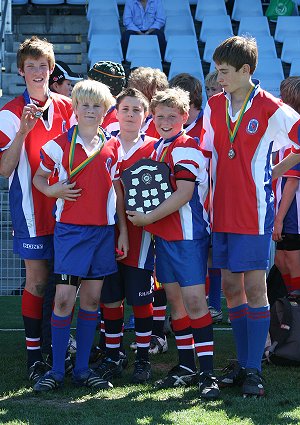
[211, 78]
[90, 90]
[174, 98]
[35, 47]
[148, 81]
[290, 92]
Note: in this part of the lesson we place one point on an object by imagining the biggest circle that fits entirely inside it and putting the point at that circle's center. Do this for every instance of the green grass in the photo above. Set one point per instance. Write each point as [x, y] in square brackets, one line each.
[129, 404]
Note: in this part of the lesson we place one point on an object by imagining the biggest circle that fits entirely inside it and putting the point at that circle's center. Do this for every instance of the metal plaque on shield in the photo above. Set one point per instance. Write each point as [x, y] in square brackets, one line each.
[146, 185]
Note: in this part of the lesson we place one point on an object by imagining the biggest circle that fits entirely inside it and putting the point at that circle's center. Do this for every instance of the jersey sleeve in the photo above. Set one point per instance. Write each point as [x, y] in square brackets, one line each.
[187, 160]
[284, 128]
[51, 156]
[9, 126]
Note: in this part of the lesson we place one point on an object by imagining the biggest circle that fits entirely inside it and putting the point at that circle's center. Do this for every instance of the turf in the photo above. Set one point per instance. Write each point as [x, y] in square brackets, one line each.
[129, 404]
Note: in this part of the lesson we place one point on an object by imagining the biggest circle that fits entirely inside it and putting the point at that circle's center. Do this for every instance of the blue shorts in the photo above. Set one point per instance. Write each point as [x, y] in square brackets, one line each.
[84, 251]
[129, 282]
[184, 262]
[240, 253]
[38, 248]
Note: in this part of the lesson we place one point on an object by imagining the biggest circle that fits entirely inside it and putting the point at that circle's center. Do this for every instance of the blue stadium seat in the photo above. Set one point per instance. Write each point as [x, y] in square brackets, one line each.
[210, 7]
[266, 47]
[179, 25]
[287, 26]
[105, 7]
[268, 69]
[105, 47]
[143, 45]
[47, 2]
[19, 2]
[272, 85]
[181, 46]
[146, 62]
[219, 25]
[177, 7]
[290, 49]
[243, 8]
[254, 25]
[79, 2]
[190, 65]
[109, 25]
[211, 43]
[295, 67]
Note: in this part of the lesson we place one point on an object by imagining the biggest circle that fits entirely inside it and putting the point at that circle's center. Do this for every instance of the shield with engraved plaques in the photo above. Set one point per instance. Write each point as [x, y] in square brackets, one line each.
[146, 185]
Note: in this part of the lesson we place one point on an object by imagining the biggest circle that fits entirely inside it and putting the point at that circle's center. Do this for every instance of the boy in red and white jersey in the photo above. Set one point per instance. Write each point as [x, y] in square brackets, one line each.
[241, 127]
[181, 229]
[133, 279]
[84, 237]
[26, 123]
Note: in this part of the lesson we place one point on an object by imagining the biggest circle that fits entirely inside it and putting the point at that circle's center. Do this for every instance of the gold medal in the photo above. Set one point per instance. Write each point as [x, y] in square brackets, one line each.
[231, 153]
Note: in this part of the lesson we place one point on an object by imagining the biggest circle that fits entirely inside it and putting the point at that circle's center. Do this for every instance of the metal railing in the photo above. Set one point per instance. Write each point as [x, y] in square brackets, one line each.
[5, 27]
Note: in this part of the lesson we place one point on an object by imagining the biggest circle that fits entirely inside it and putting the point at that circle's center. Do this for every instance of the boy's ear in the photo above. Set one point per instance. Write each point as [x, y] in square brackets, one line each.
[185, 117]
[21, 72]
[246, 68]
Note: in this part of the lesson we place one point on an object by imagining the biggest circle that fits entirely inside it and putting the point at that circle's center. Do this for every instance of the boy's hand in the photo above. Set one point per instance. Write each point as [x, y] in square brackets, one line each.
[123, 246]
[138, 218]
[277, 232]
[28, 118]
[64, 190]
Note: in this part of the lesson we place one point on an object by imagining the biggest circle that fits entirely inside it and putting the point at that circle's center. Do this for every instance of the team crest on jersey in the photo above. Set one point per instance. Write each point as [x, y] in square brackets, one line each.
[108, 164]
[252, 126]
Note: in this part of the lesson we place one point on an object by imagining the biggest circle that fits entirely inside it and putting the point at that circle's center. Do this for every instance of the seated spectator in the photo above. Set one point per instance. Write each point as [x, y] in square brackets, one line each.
[61, 79]
[144, 17]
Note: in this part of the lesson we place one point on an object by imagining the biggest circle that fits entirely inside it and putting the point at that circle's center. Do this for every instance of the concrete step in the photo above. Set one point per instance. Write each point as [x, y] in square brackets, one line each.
[80, 68]
[61, 48]
[52, 24]
[59, 38]
[12, 84]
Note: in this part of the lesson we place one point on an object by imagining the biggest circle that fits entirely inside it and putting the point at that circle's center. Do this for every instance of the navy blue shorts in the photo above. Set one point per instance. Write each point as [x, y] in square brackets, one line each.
[240, 253]
[38, 248]
[184, 262]
[129, 282]
[84, 251]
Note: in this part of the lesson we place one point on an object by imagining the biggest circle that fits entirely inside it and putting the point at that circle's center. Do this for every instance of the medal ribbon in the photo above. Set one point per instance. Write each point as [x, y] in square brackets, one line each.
[41, 108]
[161, 159]
[84, 163]
[232, 134]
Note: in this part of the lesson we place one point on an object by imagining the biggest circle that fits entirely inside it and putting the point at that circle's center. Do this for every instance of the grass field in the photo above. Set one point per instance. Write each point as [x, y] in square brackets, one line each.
[129, 404]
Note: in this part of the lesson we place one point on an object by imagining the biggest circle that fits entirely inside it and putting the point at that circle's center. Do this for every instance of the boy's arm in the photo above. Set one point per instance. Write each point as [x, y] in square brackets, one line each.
[11, 156]
[181, 196]
[61, 189]
[286, 164]
[287, 197]
[123, 244]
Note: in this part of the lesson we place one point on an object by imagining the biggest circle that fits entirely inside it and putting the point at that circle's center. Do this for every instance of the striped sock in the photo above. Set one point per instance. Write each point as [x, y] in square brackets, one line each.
[159, 312]
[143, 318]
[295, 284]
[85, 332]
[113, 319]
[238, 318]
[185, 342]
[60, 329]
[32, 311]
[204, 344]
[258, 328]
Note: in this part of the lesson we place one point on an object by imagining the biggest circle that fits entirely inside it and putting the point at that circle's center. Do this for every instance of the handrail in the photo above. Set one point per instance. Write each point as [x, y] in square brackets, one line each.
[2, 30]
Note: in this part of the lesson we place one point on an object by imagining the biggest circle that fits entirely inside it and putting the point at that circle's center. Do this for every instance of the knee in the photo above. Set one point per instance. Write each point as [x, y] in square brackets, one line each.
[90, 303]
[231, 291]
[62, 304]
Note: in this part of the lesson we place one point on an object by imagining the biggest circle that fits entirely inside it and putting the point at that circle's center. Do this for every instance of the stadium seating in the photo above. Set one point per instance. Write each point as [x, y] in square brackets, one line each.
[143, 45]
[151, 62]
[177, 7]
[109, 25]
[269, 68]
[190, 65]
[105, 47]
[210, 7]
[181, 46]
[219, 25]
[287, 26]
[79, 2]
[254, 25]
[266, 47]
[19, 2]
[105, 7]
[211, 43]
[47, 2]
[243, 8]
[179, 25]
[295, 67]
[290, 49]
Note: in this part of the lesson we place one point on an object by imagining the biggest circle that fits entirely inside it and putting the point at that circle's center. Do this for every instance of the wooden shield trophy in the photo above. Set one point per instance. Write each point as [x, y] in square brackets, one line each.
[146, 185]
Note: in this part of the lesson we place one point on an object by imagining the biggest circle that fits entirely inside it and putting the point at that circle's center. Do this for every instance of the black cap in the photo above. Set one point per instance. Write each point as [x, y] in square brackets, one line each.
[63, 72]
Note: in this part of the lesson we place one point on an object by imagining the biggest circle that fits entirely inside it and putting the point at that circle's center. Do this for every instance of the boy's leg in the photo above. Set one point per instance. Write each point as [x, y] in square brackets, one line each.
[158, 340]
[32, 311]
[292, 260]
